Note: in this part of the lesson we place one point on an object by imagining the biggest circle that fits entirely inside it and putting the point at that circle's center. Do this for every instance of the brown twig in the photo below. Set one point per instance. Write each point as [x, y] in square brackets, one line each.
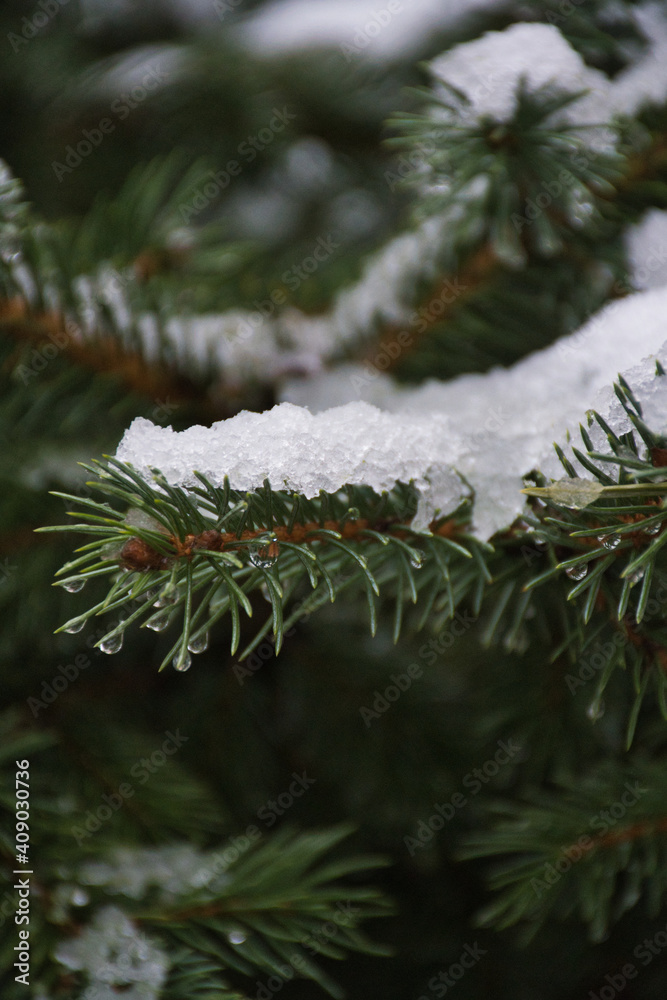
[102, 353]
[139, 555]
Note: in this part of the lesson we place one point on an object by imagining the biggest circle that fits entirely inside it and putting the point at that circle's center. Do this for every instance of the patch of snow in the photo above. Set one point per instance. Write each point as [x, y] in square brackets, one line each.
[381, 30]
[295, 450]
[646, 245]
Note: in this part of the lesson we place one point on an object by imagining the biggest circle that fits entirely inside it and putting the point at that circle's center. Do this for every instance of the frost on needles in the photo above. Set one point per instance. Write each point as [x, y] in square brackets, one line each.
[488, 431]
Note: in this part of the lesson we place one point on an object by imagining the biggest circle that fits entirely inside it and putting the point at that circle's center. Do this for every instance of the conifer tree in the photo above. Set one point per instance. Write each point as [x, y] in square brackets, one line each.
[332, 567]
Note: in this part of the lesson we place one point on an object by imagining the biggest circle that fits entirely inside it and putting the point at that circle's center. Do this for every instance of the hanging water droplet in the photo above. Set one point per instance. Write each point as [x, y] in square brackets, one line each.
[353, 514]
[159, 621]
[652, 529]
[637, 576]
[595, 710]
[148, 595]
[265, 556]
[182, 663]
[417, 559]
[517, 643]
[610, 541]
[10, 244]
[236, 937]
[79, 897]
[113, 644]
[75, 626]
[199, 643]
[578, 571]
[11, 256]
[168, 595]
[74, 586]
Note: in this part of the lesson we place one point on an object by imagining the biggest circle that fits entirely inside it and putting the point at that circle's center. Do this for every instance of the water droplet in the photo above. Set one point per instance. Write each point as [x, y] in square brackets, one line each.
[113, 644]
[182, 663]
[652, 529]
[610, 541]
[168, 595]
[159, 621]
[236, 937]
[148, 595]
[637, 576]
[74, 586]
[75, 626]
[199, 643]
[595, 710]
[578, 571]
[417, 559]
[10, 256]
[353, 514]
[265, 556]
[10, 244]
[79, 897]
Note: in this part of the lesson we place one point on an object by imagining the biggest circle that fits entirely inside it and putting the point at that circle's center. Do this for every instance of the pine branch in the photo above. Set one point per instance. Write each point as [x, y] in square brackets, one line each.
[593, 850]
[271, 913]
[249, 903]
[87, 289]
[608, 535]
[200, 554]
[451, 293]
[103, 354]
[524, 162]
[266, 908]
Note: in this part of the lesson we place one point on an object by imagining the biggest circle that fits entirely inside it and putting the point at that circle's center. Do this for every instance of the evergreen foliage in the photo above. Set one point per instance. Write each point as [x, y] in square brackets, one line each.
[384, 718]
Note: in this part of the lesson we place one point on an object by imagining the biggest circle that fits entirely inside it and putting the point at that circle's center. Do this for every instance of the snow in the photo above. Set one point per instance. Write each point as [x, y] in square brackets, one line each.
[645, 81]
[648, 388]
[385, 288]
[382, 29]
[174, 870]
[507, 419]
[245, 344]
[646, 245]
[113, 952]
[490, 70]
[355, 444]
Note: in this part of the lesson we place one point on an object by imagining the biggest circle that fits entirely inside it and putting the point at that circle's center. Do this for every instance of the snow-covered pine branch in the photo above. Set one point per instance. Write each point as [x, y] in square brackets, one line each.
[278, 499]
